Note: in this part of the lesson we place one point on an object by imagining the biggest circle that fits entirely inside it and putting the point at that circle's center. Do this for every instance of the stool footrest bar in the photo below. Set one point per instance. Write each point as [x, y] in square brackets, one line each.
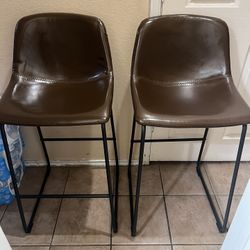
[169, 140]
[53, 196]
[76, 139]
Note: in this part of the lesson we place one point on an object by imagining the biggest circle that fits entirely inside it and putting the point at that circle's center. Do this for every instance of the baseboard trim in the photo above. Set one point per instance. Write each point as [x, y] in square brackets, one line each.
[66, 163]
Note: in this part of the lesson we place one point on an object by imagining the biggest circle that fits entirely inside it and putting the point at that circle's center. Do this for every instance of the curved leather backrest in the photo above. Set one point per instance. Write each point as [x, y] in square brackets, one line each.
[181, 48]
[61, 46]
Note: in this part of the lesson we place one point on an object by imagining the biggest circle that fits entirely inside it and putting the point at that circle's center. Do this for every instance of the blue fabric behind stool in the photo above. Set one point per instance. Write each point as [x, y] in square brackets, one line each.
[16, 149]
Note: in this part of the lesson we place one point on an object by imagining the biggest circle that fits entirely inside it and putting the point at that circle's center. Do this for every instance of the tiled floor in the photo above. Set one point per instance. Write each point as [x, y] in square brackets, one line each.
[174, 213]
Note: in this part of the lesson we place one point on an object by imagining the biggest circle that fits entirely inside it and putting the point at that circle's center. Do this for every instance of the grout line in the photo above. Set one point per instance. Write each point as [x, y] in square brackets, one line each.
[29, 245]
[59, 209]
[166, 210]
[141, 244]
[111, 231]
[169, 195]
[155, 244]
[5, 209]
[202, 244]
[69, 245]
[113, 184]
[194, 162]
[193, 195]
[80, 245]
[179, 195]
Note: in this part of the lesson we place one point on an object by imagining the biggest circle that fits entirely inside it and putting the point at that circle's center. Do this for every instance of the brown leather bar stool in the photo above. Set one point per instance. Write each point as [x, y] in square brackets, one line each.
[62, 76]
[181, 78]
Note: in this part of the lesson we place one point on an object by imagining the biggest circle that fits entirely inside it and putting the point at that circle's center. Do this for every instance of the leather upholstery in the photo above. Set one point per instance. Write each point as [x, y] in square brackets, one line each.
[62, 72]
[181, 74]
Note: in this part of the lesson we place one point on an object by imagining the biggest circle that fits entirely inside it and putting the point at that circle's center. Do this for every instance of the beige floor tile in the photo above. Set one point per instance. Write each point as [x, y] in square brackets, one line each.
[155, 247]
[181, 179]
[87, 222]
[220, 175]
[33, 178]
[150, 183]
[57, 180]
[31, 248]
[222, 200]
[192, 221]
[45, 219]
[80, 248]
[83, 222]
[152, 222]
[197, 247]
[87, 180]
[43, 227]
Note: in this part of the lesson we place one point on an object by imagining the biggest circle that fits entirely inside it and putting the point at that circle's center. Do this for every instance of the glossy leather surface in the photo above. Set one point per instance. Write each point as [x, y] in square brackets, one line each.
[181, 74]
[62, 72]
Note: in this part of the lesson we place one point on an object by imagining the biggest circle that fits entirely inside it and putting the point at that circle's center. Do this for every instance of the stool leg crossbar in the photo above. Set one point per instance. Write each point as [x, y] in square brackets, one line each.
[113, 197]
[134, 204]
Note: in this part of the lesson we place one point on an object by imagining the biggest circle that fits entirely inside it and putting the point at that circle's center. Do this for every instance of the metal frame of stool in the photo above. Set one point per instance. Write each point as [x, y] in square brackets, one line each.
[113, 198]
[134, 205]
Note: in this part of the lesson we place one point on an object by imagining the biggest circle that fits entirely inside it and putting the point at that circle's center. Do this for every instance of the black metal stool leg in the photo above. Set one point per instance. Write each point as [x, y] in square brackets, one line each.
[129, 171]
[222, 225]
[27, 228]
[45, 178]
[117, 171]
[138, 185]
[234, 177]
[48, 167]
[198, 166]
[109, 181]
